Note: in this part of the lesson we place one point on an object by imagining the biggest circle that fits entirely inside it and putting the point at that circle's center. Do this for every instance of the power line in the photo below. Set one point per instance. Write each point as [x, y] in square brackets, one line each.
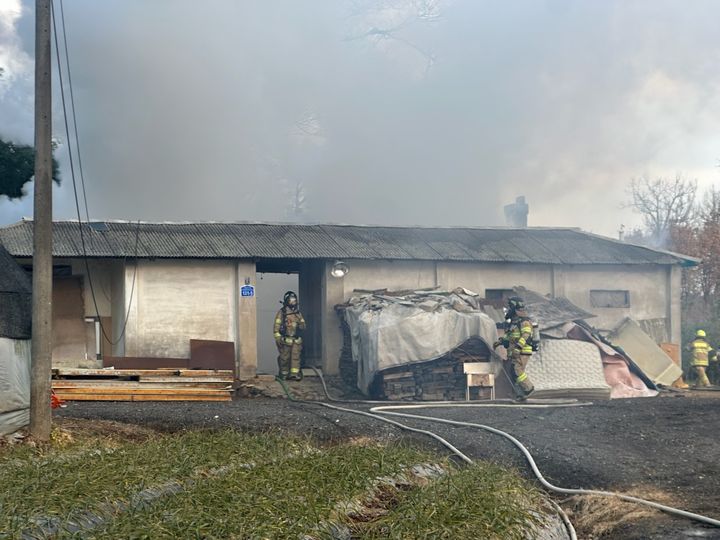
[74, 182]
[72, 108]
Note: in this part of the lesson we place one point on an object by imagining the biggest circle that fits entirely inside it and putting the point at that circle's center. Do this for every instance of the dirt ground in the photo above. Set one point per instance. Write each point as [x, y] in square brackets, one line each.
[666, 448]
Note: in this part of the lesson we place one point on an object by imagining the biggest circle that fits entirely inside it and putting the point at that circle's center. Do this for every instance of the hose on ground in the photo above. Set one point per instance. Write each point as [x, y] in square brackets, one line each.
[382, 419]
[536, 470]
[390, 410]
[563, 516]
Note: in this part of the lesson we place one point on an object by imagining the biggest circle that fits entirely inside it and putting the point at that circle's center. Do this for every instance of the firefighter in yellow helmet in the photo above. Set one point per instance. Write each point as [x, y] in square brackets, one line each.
[518, 340]
[289, 324]
[702, 353]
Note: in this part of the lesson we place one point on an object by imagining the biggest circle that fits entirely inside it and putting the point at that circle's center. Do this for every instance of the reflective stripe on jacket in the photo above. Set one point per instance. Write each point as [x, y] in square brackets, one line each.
[519, 335]
[294, 321]
[701, 352]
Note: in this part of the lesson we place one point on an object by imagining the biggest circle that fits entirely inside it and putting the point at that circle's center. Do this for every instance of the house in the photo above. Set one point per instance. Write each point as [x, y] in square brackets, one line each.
[153, 287]
[15, 328]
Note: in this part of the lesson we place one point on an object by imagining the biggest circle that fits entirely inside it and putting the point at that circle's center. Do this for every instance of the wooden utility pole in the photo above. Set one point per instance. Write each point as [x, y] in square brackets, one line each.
[40, 413]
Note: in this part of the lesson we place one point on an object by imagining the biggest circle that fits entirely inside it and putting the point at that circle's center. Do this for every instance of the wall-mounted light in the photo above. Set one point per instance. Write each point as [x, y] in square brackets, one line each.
[339, 269]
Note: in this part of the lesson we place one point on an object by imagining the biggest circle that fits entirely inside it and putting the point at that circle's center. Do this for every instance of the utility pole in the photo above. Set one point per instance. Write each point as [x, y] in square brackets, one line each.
[40, 413]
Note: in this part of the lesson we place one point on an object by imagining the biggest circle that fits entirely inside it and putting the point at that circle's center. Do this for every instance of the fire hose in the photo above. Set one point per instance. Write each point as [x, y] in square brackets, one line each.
[382, 409]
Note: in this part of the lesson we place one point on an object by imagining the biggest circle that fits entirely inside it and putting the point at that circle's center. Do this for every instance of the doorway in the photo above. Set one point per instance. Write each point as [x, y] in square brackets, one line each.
[270, 288]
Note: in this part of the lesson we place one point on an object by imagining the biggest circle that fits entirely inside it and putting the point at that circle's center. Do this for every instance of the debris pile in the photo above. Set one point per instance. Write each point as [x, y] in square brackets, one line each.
[419, 344]
[563, 327]
[438, 380]
[348, 368]
[412, 344]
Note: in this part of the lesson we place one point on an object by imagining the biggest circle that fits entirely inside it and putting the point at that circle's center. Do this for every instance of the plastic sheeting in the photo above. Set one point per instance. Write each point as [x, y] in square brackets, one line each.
[623, 382]
[393, 331]
[14, 384]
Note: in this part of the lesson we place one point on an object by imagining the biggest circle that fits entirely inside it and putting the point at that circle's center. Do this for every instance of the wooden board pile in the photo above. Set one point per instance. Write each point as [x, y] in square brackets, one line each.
[348, 368]
[442, 379]
[142, 384]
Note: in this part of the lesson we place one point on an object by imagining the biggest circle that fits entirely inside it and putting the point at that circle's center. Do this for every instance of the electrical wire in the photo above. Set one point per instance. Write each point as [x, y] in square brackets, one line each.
[72, 109]
[75, 188]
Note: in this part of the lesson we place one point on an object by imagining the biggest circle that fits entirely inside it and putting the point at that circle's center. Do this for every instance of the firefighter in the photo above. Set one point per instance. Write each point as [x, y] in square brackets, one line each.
[701, 354]
[518, 341]
[289, 324]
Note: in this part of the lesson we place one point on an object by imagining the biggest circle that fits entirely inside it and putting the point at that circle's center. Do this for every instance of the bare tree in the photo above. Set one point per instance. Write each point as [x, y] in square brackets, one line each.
[391, 20]
[663, 204]
[297, 201]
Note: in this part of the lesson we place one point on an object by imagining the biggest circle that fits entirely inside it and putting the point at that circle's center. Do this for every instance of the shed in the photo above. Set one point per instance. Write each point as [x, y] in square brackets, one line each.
[146, 290]
[15, 330]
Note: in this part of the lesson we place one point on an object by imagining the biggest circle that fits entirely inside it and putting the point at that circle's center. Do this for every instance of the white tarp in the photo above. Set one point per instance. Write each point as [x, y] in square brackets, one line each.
[389, 332]
[14, 384]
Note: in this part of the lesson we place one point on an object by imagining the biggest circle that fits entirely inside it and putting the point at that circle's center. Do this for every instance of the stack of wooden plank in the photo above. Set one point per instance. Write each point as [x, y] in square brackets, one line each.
[442, 379]
[348, 367]
[142, 384]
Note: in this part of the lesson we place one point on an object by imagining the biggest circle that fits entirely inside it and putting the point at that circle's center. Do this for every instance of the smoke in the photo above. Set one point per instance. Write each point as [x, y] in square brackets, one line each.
[424, 112]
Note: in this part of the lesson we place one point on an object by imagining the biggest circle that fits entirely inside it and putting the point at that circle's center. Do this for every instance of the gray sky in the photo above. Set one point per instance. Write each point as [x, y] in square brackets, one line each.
[216, 110]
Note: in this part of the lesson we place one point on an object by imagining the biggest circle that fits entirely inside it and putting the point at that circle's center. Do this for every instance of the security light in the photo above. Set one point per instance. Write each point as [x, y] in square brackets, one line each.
[339, 269]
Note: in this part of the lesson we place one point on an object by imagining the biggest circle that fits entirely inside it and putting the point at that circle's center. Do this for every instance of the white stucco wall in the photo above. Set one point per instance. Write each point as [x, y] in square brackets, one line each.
[478, 278]
[647, 286]
[177, 301]
[118, 309]
[389, 275]
[101, 272]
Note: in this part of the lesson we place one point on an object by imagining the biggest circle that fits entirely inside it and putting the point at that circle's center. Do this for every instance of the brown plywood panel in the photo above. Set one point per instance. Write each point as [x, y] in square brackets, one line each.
[672, 350]
[70, 335]
[210, 354]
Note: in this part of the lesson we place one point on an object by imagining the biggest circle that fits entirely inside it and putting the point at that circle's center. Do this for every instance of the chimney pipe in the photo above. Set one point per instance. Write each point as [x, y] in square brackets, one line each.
[516, 214]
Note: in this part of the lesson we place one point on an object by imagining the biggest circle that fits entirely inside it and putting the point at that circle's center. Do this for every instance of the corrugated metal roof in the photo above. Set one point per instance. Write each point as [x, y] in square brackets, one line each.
[293, 241]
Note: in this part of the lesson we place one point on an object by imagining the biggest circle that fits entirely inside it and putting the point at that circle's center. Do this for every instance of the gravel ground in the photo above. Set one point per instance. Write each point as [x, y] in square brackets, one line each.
[668, 443]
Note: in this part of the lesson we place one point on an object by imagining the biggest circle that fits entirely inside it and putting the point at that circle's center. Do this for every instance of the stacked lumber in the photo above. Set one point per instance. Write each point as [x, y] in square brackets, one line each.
[347, 366]
[142, 384]
[442, 379]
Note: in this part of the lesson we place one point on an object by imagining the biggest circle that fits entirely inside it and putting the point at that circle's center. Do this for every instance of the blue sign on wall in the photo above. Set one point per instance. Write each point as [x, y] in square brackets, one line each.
[247, 290]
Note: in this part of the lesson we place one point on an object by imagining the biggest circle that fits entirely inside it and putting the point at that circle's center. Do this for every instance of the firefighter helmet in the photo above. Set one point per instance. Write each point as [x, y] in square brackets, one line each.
[700, 333]
[289, 296]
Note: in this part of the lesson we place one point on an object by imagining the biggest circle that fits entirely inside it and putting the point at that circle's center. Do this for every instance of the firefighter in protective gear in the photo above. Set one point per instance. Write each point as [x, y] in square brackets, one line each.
[518, 340]
[289, 324]
[702, 352]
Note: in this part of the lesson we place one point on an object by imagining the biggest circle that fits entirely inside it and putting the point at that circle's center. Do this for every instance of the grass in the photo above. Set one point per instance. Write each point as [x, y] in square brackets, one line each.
[236, 485]
[602, 517]
[480, 501]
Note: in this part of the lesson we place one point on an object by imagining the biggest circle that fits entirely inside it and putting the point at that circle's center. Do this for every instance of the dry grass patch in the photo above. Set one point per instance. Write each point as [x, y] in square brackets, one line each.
[595, 516]
[103, 429]
[76, 433]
